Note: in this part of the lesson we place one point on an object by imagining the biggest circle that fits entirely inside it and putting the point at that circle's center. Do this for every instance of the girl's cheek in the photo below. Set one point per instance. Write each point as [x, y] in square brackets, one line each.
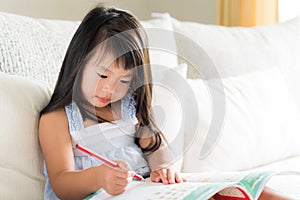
[119, 93]
[98, 86]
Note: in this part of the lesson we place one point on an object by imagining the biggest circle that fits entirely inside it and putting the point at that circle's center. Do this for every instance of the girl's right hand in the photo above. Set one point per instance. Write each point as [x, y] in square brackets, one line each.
[115, 180]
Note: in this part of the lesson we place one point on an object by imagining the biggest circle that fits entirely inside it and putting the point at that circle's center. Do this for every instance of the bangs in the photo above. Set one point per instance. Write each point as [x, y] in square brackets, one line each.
[121, 49]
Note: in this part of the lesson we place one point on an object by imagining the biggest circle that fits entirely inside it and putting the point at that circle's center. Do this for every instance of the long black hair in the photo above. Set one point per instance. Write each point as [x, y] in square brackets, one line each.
[100, 24]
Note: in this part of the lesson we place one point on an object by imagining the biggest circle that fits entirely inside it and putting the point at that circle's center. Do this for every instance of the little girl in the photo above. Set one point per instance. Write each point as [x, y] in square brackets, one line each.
[102, 100]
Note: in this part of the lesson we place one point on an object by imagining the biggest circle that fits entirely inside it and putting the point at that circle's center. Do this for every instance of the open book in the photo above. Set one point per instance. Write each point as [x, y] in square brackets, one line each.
[225, 186]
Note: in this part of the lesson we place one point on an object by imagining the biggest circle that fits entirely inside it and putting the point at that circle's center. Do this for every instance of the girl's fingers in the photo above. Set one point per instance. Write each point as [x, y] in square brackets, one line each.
[178, 178]
[154, 176]
[119, 189]
[157, 179]
[124, 174]
[171, 176]
[167, 176]
[163, 176]
[184, 179]
[121, 181]
[122, 165]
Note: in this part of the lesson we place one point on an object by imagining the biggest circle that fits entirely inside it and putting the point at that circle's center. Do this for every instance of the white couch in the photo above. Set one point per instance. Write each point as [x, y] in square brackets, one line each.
[241, 111]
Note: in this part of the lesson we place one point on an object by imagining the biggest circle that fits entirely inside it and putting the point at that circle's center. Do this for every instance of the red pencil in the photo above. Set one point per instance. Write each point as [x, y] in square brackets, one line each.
[105, 160]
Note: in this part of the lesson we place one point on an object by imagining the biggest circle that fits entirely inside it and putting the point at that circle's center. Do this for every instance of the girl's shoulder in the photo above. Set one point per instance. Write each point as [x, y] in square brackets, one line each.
[56, 113]
[53, 133]
[57, 118]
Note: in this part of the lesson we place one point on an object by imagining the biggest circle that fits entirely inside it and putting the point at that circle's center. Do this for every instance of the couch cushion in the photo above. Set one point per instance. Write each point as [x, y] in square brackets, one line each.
[162, 45]
[257, 68]
[21, 101]
[261, 123]
[239, 50]
[168, 108]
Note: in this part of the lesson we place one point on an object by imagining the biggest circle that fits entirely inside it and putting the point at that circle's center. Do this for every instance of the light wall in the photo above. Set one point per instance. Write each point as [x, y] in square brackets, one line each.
[204, 11]
[288, 9]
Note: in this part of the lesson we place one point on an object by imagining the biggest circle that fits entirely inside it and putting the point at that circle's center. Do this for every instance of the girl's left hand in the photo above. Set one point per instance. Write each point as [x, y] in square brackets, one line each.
[166, 176]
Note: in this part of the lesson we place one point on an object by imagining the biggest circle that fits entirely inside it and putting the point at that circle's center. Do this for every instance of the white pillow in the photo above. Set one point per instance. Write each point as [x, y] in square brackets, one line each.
[239, 54]
[21, 101]
[166, 99]
[162, 45]
[239, 50]
[261, 123]
[35, 48]
[168, 106]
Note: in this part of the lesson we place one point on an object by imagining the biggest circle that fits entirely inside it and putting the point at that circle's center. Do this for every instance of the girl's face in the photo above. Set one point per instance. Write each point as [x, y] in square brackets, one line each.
[104, 82]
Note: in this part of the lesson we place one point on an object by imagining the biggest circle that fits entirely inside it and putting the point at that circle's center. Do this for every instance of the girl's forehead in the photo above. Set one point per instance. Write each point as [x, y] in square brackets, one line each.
[100, 58]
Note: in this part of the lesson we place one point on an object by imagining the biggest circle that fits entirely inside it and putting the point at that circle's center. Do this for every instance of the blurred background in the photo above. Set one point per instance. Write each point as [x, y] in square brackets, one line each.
[222, 12]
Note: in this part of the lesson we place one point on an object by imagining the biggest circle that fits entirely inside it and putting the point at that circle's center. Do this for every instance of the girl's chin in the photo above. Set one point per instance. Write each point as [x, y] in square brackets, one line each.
[101, 105]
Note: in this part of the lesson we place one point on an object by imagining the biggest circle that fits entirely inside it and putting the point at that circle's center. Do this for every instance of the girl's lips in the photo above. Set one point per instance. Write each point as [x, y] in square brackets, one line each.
[103, 100]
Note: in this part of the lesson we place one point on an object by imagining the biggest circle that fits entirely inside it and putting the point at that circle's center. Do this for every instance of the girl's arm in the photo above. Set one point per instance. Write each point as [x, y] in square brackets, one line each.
[67, 183]
[162, 169]
[160, 161]
[270, 194]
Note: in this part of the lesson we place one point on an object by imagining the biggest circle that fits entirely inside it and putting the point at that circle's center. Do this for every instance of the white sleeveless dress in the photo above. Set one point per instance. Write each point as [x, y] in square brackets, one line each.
[114, 141]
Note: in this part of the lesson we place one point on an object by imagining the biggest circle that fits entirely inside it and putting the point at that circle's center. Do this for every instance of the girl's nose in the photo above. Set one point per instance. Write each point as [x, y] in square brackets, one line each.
[109, 87]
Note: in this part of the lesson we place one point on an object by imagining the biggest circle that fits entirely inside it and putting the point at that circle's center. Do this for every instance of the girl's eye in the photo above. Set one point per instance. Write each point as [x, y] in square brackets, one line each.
[102, 76]
[125, 82]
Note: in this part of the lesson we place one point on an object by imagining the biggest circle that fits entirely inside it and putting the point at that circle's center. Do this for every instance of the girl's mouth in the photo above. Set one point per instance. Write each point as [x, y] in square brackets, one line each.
[104, 100]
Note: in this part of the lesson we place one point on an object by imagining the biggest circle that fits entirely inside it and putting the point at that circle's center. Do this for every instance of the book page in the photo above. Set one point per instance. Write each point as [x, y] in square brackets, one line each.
[231, 186]
[252, 182]
[255, 182]
[154, 191]
[215, 177]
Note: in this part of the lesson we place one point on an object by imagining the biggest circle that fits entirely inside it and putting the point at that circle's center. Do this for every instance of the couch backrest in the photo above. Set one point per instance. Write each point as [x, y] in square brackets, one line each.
[249, 106]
